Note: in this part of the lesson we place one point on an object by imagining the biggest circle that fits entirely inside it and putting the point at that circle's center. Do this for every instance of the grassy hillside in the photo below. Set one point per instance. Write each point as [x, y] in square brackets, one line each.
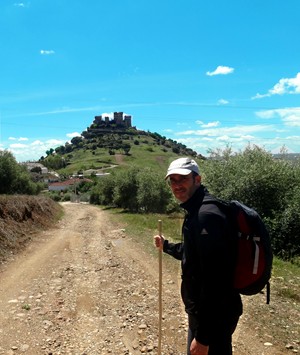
[103, 151]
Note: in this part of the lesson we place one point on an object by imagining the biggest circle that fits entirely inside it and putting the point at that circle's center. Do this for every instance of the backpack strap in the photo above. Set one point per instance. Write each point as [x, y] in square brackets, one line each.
[215, 200]
[256, 255]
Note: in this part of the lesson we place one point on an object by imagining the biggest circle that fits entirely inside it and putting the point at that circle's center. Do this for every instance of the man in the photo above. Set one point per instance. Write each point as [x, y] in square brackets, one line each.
[207, 255]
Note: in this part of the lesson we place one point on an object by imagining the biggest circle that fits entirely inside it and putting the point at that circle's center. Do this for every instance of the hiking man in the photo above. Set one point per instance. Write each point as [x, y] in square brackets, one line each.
[207, 255]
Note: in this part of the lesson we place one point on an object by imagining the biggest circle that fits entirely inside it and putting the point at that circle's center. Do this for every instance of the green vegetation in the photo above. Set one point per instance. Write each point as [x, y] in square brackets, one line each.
[271, 186]
[26, 306]
[135, 190]
[287, 277]
[15, 178]
[253, 177]
[142, 227]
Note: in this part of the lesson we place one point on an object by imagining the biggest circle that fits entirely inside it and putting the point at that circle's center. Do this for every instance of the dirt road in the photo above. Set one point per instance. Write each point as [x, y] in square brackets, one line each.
[86, 288]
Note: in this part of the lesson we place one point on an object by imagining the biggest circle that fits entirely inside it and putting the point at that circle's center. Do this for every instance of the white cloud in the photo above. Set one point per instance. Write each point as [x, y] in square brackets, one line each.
[267, 114]
[235, 131]
[284, 86]
[33, 150]
[195, 143]
[247, 137]
[287, 86]
[17, 146]
[268, 136]
[37, 142]
[54, 142]
[73, 134]
[208, 139]
[243, 139]
[108, 114]
[224, 138]
[293, 138]
[289, 116]
[20, 139]
[220, 70]
[19, 4]
[292, 120]
[223, 102]
[278, 150]
[210, 124]
[258, 96]
[46, 52]
[204, 144]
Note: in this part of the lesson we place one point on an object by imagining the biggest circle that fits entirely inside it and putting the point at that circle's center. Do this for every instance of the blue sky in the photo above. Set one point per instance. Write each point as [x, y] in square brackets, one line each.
[205, 73]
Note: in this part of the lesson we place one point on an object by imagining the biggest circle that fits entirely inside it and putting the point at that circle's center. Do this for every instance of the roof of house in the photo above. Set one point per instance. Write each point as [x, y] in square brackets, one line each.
[69, 182]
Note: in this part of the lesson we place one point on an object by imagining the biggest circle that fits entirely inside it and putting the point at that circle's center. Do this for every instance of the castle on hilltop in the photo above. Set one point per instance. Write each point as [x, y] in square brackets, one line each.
[119, 123]
[119, 120]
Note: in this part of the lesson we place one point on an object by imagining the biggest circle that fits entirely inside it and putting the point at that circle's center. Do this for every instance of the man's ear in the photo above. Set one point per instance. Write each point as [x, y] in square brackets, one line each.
[198, 180]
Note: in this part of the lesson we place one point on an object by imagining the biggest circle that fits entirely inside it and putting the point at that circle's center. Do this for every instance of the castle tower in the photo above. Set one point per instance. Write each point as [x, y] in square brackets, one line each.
[127, 120]
[118, 117]
[98, 119]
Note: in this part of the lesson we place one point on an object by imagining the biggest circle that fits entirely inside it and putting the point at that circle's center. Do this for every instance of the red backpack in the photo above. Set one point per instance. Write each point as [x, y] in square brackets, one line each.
[255, 257]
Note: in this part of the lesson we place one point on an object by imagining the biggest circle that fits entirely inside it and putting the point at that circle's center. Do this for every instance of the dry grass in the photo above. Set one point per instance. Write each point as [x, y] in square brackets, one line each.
[20, 217]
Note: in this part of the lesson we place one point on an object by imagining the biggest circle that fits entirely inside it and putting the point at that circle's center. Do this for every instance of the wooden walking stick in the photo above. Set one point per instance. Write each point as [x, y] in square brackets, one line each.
[159, 289]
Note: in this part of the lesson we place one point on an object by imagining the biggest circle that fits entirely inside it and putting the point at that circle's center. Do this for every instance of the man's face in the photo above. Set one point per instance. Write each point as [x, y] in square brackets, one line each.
[184, 186]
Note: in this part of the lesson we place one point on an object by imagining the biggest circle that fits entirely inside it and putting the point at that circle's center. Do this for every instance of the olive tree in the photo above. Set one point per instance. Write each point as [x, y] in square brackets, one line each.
[253, 176]
[152, 194]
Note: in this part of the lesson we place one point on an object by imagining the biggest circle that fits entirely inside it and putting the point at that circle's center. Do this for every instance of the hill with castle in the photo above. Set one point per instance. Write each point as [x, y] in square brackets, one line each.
[114, 141]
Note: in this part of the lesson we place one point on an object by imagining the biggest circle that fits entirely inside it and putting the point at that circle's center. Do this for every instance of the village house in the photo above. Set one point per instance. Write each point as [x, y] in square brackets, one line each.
[65, 185]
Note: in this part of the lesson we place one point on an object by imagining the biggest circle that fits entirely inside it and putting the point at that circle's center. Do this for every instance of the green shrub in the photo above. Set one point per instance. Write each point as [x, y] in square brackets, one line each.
[285, 228]
[102, 192]
[253, 177]
[15, 178]
[153, 193]
[125, 190]
[135, 190]
[66, 196]
[55, 196]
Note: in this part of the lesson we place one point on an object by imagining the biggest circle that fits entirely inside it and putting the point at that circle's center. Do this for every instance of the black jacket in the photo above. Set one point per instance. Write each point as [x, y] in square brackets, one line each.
[207, 257]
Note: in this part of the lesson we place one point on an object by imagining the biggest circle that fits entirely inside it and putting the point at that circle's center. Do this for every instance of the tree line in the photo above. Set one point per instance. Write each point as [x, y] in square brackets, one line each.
[270, 186]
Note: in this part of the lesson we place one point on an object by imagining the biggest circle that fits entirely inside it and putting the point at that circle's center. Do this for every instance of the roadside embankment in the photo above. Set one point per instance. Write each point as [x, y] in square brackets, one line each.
[20, 217]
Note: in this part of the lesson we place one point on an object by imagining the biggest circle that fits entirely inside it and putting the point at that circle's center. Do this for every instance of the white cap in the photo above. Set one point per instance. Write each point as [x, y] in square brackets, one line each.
[183, 166]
